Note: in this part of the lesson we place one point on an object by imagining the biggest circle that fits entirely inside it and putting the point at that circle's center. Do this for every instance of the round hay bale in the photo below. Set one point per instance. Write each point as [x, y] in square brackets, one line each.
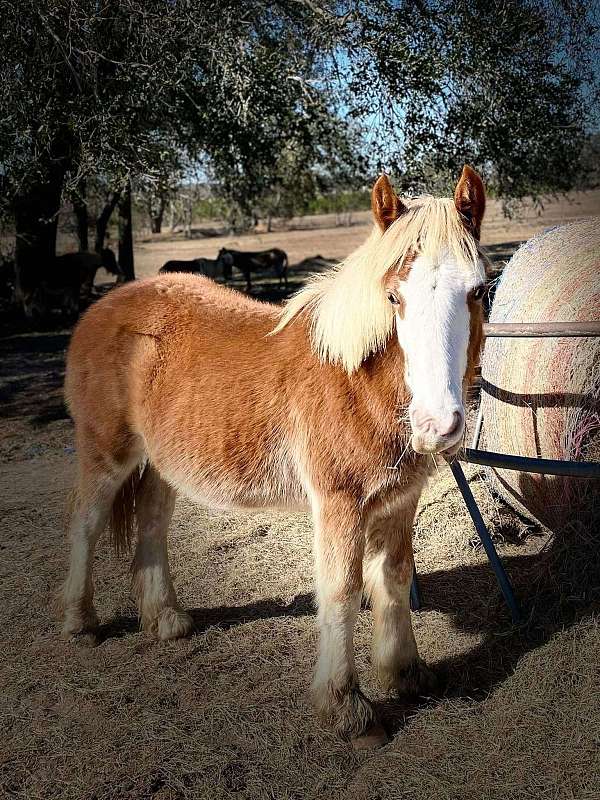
[541, 397]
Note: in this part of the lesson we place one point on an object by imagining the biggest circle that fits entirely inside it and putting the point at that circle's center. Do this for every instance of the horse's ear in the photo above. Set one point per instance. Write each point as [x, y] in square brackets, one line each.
[386, 204]
[469, 198]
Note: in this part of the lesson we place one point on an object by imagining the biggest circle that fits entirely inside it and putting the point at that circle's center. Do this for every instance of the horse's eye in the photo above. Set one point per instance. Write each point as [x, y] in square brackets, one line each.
[393, 299]
[478, 292]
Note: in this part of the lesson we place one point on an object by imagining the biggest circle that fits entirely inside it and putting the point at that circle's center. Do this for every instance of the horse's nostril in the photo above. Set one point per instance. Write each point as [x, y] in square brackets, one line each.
[444, 425]
[450, 425]
[423, 422]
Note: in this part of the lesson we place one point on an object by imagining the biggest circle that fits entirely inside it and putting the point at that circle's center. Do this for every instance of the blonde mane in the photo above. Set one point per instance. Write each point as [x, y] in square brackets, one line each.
[351, 316]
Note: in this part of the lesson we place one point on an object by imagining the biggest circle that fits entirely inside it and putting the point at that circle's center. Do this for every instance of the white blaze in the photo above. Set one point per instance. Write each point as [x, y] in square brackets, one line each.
[434, 335]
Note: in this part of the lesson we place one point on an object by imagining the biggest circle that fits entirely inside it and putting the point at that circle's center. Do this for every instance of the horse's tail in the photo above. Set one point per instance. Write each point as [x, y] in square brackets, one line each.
[122, 515]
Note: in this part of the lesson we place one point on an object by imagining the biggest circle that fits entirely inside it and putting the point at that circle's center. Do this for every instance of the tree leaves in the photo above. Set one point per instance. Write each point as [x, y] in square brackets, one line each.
[260, 91]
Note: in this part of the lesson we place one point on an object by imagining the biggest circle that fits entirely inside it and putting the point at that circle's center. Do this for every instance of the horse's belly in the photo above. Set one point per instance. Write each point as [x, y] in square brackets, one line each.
[232, 483]
[231, 496]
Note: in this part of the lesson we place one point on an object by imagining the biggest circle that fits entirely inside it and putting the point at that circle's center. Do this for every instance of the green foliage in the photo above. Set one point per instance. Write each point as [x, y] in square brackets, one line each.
[508, 87]
[590, 162]
[284, 101]
[340, 202]
[209, 208]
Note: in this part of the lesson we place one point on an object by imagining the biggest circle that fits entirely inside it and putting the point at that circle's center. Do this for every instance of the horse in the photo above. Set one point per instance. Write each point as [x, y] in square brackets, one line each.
[246, 262]
[68, 278]
[212, 268]
[335, 403]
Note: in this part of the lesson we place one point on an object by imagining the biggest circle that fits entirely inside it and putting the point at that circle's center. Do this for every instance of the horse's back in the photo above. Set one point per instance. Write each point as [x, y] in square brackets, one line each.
[73, 269]
[166, 328]
[175, 265]
[184, 369]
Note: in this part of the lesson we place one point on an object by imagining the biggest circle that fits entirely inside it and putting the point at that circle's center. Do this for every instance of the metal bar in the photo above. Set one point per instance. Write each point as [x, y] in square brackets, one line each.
[478, 425]
[486, 540]
[545, 466]
[415, 592]
[540, 329]
[521, 463]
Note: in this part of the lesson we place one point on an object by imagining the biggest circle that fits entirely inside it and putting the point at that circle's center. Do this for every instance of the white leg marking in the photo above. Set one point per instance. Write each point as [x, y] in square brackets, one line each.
[88, 520]
[152, 584]
[388, 576]
[339, 546]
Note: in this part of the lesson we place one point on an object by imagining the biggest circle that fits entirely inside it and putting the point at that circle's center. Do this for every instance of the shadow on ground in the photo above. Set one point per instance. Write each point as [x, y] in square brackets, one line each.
[32, 375]
[557, 587]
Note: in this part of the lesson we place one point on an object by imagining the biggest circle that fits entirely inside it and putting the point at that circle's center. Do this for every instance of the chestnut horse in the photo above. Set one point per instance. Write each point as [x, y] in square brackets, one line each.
[335, 404]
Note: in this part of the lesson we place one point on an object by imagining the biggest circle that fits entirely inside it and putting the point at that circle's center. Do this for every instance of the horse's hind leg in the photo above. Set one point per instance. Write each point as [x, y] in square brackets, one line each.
[153, 588]
[96, 490]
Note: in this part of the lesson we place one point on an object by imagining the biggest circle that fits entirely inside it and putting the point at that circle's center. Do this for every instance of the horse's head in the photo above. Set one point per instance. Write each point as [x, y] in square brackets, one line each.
[435, 291]
[109, 261]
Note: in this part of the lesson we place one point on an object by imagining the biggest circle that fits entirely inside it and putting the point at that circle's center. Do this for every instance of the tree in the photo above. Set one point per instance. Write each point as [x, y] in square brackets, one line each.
[156, 202]
[506, 86]
[154, 190]
[111, 200]
[80, 209]
[115, 89]
[126, 233]
[87, 90]
[590, 159]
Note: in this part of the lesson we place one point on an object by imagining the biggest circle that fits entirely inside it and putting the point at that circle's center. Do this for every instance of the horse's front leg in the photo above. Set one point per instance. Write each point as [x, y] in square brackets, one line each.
[388, 576]
[339, 549]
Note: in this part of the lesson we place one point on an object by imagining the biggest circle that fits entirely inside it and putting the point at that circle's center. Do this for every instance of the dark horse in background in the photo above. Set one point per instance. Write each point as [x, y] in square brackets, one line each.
[212, 268]
[247, 262]
[68, 280]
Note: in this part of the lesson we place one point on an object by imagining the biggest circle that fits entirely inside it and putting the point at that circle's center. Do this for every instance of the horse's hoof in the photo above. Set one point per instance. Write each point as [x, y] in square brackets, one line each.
[85, 639]
[173, 623]
[81, 628]
[372, 739]
[416, 680]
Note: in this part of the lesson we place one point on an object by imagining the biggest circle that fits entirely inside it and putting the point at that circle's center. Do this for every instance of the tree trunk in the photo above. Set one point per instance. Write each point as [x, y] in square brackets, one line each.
[187, 216]
[36, 219]
[172, 216]
[104, 219]
[126, 234]
[156, 213]
[81, 215]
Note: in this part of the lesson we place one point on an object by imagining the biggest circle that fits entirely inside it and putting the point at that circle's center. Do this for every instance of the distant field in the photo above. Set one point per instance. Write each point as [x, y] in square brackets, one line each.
[317, 235]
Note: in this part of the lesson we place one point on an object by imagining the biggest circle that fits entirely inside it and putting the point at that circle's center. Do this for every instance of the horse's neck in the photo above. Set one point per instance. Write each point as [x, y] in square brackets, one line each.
[374, 396]
[380, 382]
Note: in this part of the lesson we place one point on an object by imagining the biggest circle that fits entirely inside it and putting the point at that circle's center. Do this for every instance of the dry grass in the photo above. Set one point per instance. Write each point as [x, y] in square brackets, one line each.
[225, 714]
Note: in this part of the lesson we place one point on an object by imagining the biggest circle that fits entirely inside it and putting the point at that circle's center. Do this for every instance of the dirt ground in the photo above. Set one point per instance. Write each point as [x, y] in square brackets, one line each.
[225, 713]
